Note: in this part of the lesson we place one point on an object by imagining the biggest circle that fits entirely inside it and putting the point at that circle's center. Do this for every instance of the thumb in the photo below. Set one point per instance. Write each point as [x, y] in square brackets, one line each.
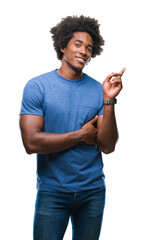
[94, 119]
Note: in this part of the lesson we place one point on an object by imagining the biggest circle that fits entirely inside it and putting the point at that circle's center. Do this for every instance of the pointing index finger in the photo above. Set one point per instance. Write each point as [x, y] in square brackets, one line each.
[122, 71]
[109, 77]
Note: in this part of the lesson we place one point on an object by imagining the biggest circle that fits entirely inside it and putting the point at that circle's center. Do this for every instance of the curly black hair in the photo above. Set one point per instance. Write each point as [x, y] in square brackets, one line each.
[63, 32]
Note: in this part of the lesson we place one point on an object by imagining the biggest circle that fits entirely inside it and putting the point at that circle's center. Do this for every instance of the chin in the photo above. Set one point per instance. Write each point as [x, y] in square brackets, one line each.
[77, 67]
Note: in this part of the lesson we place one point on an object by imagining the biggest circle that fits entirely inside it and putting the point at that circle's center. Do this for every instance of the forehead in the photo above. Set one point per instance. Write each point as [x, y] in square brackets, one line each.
[83, 36]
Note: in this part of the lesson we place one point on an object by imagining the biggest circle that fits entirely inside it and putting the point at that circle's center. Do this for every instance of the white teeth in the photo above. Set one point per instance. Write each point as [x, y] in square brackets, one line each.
[81, 60]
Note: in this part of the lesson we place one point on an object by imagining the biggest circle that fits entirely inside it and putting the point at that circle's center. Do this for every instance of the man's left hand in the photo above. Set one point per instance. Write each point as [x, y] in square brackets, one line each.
[112, 85]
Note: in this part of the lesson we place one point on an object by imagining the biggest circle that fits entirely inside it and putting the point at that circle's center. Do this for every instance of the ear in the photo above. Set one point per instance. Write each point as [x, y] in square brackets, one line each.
[62, 50]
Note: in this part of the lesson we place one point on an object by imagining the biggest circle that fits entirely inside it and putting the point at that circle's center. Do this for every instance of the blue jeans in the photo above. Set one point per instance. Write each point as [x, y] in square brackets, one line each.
[53, 209]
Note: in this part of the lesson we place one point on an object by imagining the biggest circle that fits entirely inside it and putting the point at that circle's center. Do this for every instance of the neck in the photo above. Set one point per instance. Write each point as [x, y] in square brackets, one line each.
[67, 71]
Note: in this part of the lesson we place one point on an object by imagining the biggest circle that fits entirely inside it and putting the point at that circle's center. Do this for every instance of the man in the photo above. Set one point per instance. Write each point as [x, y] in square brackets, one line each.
[68, 118]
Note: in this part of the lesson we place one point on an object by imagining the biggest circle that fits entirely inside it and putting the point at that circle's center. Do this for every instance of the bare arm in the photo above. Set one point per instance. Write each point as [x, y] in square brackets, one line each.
[107, 127]
[107, 131]
[36, 141]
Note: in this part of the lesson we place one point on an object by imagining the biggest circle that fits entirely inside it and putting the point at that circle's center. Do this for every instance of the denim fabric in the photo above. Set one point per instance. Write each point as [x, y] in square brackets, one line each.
[53, 210]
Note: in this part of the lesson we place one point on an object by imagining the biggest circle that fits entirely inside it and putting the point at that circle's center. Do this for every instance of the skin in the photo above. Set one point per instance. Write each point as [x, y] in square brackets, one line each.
[108, 133]
[80, 46]
[77, 53]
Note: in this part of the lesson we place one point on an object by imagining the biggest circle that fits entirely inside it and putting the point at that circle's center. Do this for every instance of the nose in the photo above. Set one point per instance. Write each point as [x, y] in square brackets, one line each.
[83, 50]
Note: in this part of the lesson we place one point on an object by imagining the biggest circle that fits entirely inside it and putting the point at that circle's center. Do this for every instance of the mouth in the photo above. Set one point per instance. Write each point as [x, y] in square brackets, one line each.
[81, 60]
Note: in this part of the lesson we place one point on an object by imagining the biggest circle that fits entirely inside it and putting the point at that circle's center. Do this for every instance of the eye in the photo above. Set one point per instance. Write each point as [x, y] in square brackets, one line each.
[77, 44]
[89, 49]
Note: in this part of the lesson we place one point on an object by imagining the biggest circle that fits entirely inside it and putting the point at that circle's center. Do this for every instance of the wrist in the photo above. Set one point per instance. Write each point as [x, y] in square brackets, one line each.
[80, 135]
[110, 102]
[108, 98]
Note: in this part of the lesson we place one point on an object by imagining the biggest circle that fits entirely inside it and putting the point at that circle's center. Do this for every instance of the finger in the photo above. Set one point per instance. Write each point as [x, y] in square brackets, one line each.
[117, 82]
[94, 119]
[122, 71]
[108, 78]
[116, 79]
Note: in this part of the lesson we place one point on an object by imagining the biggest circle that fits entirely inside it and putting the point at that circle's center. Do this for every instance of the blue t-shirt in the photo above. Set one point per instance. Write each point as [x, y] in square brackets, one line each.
[66, 105]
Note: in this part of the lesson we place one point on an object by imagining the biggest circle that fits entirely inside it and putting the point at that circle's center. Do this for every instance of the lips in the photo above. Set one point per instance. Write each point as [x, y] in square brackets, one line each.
[81, 60]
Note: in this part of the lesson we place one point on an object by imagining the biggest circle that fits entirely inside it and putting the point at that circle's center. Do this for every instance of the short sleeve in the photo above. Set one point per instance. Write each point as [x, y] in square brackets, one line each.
[32, 100]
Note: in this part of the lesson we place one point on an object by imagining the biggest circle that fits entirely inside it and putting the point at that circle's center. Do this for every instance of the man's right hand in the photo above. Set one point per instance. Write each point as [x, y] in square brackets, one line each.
[90, 132]
[36, 141]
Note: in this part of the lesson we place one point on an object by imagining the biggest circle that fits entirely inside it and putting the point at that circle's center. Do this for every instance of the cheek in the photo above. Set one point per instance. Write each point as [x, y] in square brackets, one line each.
[72, 50]
[71, 54]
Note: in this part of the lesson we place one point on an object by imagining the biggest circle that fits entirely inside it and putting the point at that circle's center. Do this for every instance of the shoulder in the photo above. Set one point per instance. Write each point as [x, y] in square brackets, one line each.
[92, 82]
[39, 82]
[41, 78]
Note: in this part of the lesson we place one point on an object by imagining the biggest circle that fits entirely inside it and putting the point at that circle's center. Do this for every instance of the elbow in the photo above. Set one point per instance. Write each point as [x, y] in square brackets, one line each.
[29, 148]
[30, 142]
[107, 147]
[108, 150]
[28, 151]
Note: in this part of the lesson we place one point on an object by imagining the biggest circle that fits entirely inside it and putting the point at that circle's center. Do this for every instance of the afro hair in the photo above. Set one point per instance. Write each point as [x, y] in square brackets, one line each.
[63, 32]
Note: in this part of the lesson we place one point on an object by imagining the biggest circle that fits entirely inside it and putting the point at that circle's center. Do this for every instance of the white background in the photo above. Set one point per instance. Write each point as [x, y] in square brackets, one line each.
[26, 50]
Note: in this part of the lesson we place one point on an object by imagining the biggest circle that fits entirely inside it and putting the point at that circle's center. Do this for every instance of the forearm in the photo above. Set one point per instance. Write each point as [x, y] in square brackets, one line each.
[36, 141]
[108, 133]
[41, 142]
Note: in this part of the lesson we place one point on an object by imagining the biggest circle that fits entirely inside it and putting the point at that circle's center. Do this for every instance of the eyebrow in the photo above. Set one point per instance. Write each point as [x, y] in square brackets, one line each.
[82, 42]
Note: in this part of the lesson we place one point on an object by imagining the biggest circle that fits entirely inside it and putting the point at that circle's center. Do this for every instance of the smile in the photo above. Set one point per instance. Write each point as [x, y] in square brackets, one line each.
[81, 60]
